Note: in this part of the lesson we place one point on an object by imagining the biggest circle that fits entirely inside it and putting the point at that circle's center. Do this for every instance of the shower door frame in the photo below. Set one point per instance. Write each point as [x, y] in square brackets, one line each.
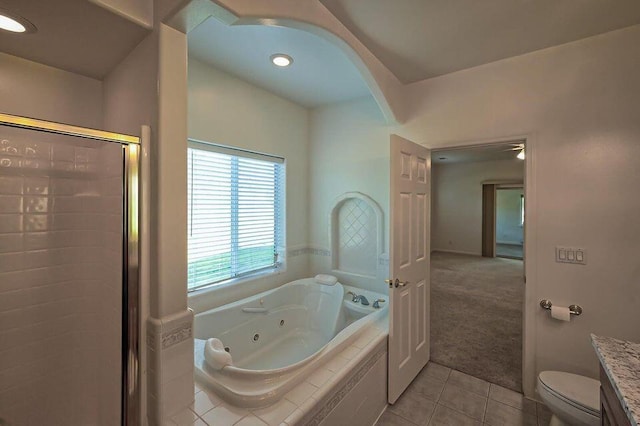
[130, 390]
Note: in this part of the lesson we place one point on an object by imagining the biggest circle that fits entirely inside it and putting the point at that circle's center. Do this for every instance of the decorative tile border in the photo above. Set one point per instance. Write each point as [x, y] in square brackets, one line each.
[179, 334]
[383, 259]
[319, 252]
[151, 340]
[308, 250]
[170, 330]
[297, 252]
[319, 414]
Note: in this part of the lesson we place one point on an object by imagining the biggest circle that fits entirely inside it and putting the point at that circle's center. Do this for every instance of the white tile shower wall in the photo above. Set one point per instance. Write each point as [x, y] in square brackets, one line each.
[60, 280]
[111, 212]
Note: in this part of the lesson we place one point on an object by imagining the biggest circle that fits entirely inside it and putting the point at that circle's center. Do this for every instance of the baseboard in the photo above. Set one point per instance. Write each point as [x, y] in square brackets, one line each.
[457, 252]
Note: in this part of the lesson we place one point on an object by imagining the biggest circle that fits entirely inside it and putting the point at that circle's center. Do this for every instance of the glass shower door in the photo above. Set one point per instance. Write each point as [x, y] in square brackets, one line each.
[61, 279]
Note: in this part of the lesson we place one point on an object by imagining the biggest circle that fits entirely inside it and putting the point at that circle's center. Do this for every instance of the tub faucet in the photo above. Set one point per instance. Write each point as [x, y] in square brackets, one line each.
[376, 304]
[358, 298]
[363, 300]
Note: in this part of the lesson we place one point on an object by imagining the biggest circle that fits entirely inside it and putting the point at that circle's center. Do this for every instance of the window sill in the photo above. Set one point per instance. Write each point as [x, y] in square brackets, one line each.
[229, 291]
[241, 280]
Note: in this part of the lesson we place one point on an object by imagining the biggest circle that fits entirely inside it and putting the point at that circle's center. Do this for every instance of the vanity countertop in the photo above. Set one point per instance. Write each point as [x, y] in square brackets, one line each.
[620, 360]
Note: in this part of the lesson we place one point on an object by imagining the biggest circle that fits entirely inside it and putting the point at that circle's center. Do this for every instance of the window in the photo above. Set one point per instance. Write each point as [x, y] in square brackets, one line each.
[235, 213]
[521, 210]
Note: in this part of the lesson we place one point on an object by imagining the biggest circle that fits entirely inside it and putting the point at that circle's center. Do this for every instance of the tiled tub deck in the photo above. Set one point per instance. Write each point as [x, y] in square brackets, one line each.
[313, 402]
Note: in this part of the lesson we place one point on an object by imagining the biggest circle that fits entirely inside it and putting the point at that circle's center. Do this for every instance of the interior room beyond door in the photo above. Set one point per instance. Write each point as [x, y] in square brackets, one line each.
[477, 295]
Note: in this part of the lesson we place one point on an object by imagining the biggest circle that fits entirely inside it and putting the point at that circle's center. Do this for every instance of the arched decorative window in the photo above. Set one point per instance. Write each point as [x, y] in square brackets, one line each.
[356, 234]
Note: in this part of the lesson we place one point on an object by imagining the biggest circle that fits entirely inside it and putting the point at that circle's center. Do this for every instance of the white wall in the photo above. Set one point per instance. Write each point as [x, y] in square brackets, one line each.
[34, 90]
[577, 103]
[149, 87]
[349, 152]
[229, 111]
[509, 229]
[130, 101]
[130, 91]
[456, 214]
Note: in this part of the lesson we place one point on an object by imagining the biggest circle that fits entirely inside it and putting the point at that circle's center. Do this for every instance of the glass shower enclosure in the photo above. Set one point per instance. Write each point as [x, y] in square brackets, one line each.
[68, 275]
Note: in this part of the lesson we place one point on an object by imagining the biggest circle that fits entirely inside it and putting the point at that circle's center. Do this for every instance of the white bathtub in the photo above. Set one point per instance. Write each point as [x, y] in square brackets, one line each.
[279, 337]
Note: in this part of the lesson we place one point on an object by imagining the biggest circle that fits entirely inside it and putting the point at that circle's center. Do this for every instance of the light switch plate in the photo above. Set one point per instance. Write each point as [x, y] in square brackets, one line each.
[576, 255]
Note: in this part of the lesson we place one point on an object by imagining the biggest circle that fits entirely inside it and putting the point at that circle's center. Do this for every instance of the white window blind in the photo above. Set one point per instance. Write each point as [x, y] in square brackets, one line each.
[235, 213]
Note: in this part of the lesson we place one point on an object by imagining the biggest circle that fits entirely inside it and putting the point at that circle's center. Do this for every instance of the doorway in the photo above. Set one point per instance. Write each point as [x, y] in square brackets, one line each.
[510, 222]
[503, 220]
[477, 294]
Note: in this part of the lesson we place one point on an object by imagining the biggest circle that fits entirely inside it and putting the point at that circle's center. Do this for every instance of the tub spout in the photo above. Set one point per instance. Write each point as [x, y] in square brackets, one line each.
[358, 298]
[215, 355]
[354, 297]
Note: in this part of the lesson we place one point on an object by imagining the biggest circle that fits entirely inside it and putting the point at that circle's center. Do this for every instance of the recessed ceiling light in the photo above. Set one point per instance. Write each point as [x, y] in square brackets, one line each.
[14, 23]
[281, 60]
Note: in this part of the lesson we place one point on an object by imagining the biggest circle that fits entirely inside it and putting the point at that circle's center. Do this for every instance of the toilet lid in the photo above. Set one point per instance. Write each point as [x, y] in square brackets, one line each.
[580, 390]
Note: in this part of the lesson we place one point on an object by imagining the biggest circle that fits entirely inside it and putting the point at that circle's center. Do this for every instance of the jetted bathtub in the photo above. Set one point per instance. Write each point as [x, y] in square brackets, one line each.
[277, 338]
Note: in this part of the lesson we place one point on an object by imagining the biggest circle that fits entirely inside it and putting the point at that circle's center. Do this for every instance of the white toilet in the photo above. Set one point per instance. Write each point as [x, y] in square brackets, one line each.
[574, 400]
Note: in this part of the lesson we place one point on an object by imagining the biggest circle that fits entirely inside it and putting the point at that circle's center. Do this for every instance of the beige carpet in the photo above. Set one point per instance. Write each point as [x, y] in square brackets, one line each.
[476, 316]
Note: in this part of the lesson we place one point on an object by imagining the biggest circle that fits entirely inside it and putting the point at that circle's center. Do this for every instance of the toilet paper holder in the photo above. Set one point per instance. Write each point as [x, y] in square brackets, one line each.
[573, 309]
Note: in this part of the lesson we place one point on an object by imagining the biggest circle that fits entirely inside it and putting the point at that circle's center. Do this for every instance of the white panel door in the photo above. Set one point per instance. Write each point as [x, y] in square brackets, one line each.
[409, 263]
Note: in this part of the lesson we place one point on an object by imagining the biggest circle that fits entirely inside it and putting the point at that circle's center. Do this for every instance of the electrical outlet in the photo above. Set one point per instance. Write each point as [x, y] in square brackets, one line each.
[575, 255]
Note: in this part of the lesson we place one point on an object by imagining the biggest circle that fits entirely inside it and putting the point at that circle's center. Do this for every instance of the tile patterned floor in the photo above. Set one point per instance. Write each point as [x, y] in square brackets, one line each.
[440, 396]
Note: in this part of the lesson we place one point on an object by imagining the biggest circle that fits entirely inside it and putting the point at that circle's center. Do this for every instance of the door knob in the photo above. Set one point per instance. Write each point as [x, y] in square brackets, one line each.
[397, 283]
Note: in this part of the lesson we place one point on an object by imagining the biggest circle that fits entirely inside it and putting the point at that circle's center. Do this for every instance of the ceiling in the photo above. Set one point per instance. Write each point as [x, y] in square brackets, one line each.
[419, 39]
[472, 154]
[320, 74]
[73, 35]
[415, 39]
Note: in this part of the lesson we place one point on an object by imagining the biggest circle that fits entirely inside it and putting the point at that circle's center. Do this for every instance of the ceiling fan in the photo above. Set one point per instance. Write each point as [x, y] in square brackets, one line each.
[517, 147]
